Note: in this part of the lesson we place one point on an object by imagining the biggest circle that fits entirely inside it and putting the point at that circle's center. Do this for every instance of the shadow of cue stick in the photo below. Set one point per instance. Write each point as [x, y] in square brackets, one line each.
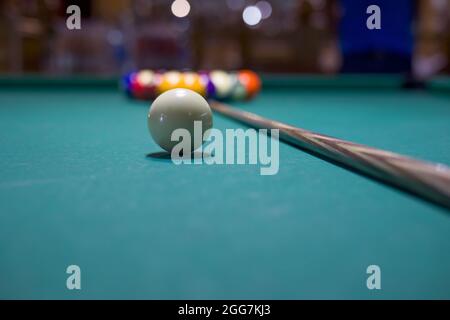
[430, 181]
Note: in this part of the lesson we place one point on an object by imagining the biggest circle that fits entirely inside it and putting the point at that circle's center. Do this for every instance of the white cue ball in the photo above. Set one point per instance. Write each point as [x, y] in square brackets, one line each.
[174, 109]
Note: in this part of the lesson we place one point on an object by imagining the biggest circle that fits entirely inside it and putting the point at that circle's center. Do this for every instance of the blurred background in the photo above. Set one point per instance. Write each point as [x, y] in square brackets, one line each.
[276, 36]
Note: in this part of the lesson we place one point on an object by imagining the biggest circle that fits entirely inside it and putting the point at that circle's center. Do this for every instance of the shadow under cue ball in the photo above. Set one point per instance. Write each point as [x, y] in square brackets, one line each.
[175, 109]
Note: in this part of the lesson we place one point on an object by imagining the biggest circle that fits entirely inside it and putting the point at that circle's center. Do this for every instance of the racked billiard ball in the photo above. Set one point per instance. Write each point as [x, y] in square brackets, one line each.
[251, 81]
[193, 81]
[208, 84]
[175, 109]
[169, 80]
[223, 84]
[238, 91]
[146, 82]
[126, 83]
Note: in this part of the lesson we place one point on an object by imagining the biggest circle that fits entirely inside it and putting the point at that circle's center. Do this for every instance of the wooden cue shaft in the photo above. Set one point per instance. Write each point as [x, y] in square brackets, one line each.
[428, 180]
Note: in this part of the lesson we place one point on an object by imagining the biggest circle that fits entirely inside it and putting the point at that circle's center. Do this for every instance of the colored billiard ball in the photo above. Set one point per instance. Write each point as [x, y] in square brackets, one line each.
[129, 83]
[146, 84]
[169, 80]
[223, 84]
[238, 91]
[208, 84]
[193, 81]
[175, 109]
[250, 81]
[136, 89]
[126, 83]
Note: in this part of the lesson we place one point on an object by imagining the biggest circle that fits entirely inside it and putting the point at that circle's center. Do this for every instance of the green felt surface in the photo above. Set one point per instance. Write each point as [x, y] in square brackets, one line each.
[77, 187]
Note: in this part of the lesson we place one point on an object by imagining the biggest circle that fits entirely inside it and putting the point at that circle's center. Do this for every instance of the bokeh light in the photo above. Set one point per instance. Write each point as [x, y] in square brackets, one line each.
[265, 8]
[180, 8]
[252, 15]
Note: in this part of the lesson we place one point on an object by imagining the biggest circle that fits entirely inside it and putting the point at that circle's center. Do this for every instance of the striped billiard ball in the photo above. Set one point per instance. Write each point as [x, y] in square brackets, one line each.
[223, 84]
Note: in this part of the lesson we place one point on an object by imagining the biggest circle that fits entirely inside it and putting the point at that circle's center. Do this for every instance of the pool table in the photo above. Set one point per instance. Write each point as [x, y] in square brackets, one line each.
[80, 185]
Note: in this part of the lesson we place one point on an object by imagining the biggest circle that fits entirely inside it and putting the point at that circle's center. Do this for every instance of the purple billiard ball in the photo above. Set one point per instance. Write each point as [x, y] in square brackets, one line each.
[209, 85]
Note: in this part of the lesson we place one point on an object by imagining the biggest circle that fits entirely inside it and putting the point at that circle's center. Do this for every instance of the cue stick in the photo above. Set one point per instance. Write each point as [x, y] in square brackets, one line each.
[428, 180]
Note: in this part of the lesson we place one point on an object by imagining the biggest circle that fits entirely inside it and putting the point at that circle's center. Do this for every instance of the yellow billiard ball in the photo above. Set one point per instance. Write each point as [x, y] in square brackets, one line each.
[193, 81]
[169, 80]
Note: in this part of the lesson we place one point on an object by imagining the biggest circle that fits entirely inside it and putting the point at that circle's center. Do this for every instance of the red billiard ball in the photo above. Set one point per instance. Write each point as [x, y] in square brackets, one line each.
[144, 84]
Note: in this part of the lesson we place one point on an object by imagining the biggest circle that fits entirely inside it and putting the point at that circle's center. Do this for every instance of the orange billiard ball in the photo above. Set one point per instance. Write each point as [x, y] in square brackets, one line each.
[251, 81]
